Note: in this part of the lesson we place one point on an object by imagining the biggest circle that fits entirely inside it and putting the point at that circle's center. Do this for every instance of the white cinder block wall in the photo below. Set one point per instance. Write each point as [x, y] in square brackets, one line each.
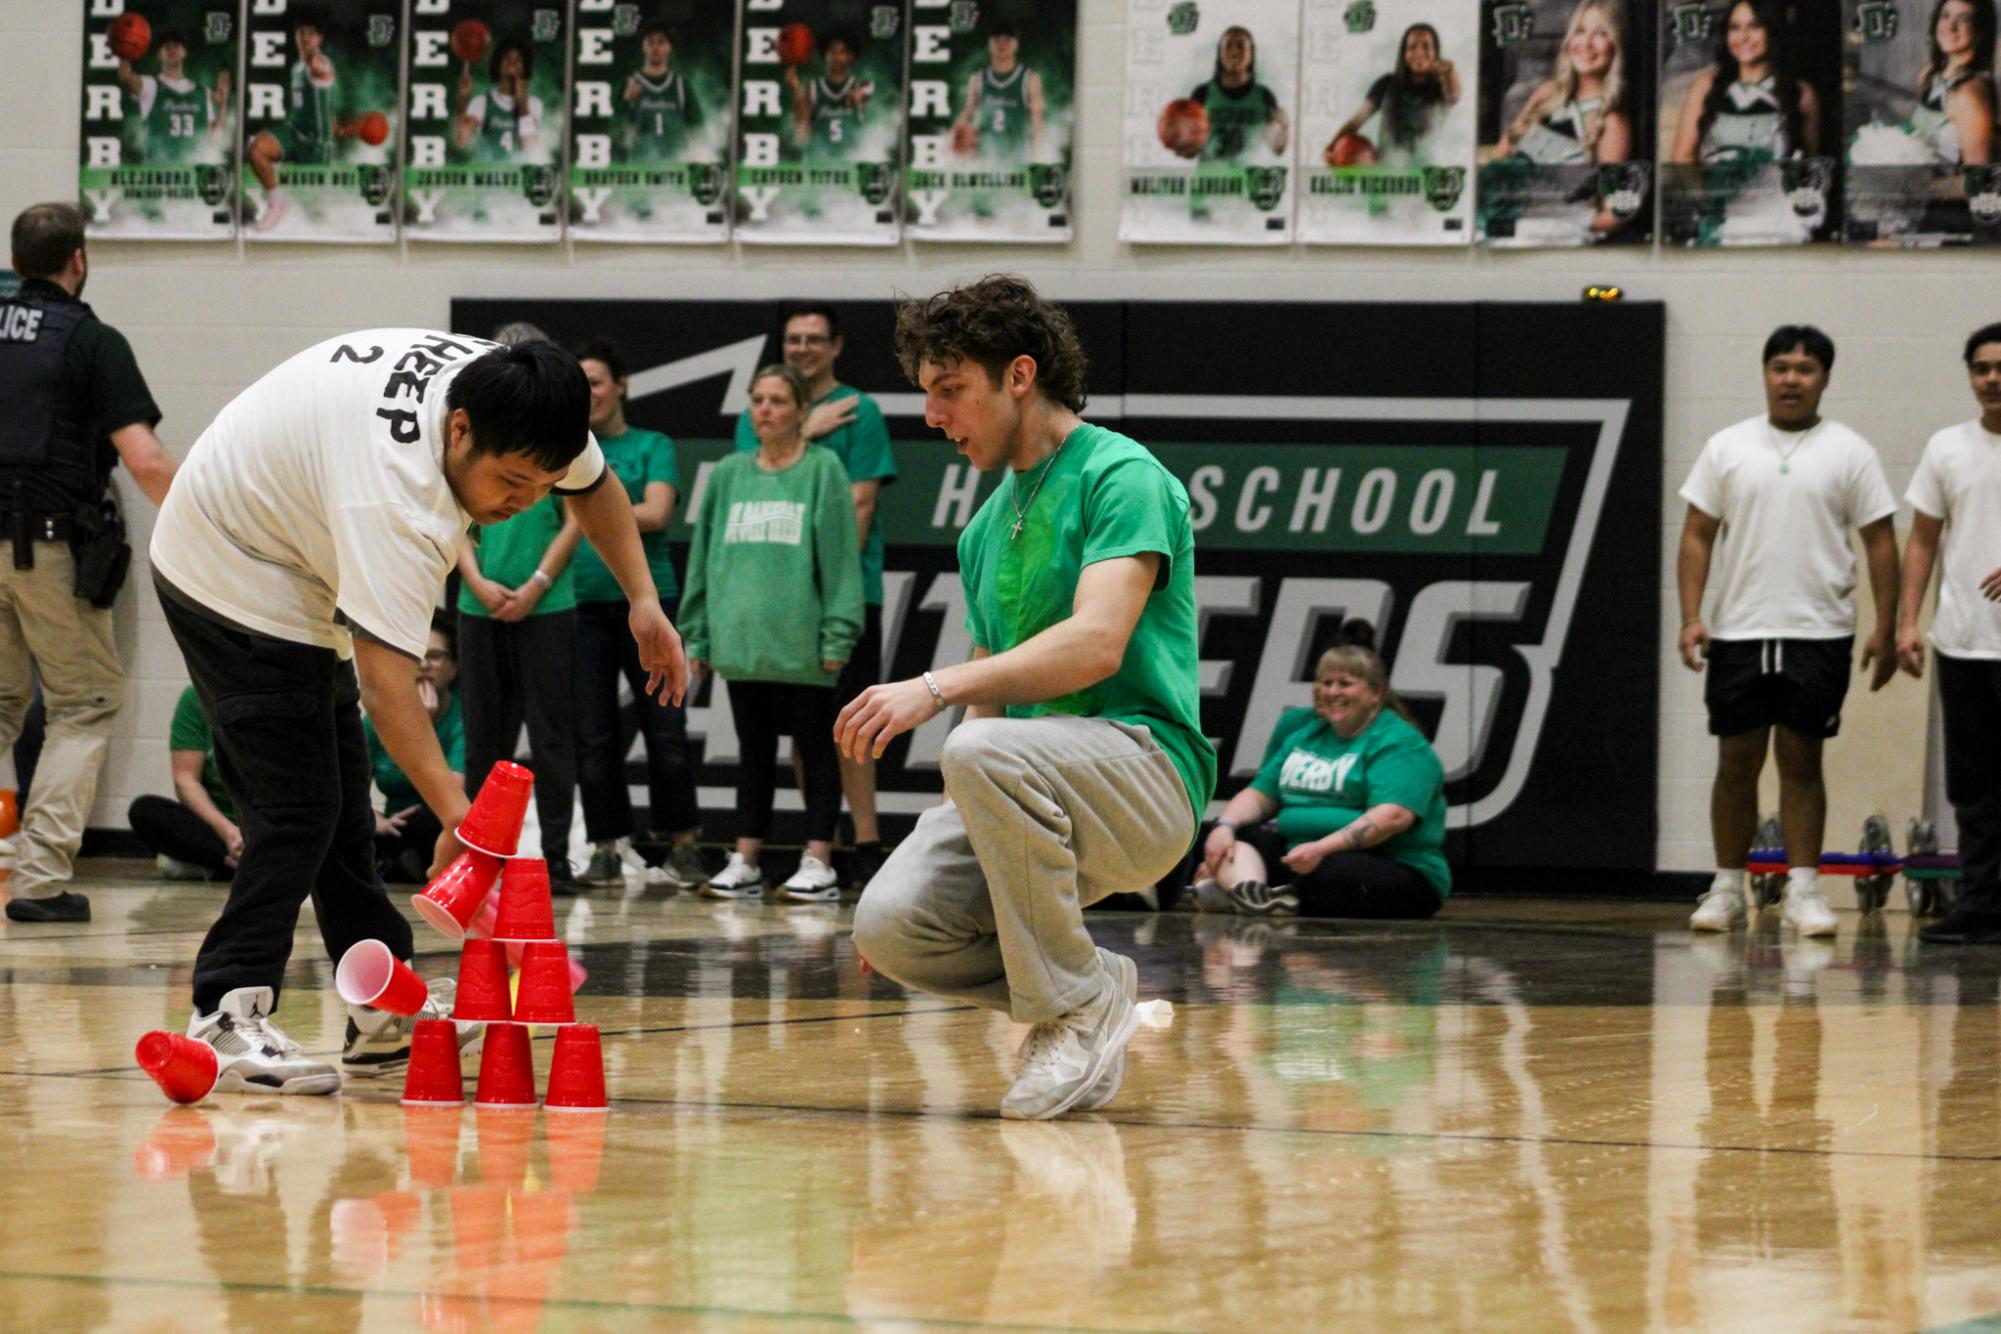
[206, 320]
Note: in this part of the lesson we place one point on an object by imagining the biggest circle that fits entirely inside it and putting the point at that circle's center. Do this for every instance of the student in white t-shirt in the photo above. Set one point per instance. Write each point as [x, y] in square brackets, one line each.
[298, 558]
[1771, 501]
[1956, 494]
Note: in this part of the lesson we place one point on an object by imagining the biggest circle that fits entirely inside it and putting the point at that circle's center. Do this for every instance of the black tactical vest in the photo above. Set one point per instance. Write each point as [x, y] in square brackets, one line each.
[41, 436]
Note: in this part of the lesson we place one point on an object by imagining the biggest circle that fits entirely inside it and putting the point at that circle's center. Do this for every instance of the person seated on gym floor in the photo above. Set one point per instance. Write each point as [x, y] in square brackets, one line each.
[405, 829]
[1346, 818]
[193, 837]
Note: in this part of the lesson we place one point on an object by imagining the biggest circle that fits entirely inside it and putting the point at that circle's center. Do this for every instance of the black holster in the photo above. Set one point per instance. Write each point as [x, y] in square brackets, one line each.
[97, 540]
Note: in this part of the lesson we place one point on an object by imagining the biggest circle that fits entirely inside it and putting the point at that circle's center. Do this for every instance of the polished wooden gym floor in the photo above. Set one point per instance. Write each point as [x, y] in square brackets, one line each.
[1547, 1116]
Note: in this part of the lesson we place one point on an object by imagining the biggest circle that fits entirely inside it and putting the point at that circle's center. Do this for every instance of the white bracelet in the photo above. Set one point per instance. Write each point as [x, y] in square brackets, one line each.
[541, 576]
[931, 684]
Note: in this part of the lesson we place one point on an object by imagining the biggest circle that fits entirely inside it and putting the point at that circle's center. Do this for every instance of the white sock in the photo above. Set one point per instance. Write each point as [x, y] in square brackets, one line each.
[1727, 878]
[1803, 880]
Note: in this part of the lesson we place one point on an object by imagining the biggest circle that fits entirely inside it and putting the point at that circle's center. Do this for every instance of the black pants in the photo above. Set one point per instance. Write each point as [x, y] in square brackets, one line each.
[1346, 884]
[166, 826]
[765, 711]
[512, 672]
[1969, 690]
[605, 652]
[404, 858]
[287, 724]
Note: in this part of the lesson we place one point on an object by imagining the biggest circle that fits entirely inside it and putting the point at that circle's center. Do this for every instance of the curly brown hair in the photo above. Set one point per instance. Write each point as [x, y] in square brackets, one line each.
[990, 323]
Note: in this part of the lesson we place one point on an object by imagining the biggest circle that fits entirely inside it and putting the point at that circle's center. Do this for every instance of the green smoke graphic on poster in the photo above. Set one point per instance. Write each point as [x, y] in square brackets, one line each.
[992, 86]
[158, 156]
[650, 134]
[322, 105]
[820, 121]
[486, 111]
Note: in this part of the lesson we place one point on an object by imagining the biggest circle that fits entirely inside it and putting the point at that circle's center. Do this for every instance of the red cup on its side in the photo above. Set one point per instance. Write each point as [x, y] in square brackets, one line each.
[526, 912]
[493, 825]
[432, 1078]
[482, 995]
[451, 903]
[576, 1074]
[481, 927]
[544, 993]
[370, 974]
[506, 1069]
[185, 1069]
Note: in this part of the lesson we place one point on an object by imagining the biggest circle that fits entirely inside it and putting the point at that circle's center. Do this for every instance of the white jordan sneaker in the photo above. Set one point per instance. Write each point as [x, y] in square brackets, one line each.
[1126, 974]
[1063, 1059]
[254, 1056]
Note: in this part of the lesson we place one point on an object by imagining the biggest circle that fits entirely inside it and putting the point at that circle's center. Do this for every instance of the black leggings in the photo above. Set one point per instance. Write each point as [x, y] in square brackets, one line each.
[765, 711]
[1346, 884]
[166, 826]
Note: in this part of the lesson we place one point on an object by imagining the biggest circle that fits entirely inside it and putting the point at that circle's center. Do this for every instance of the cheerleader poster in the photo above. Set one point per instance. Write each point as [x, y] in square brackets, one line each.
[992, 83]
[820, 122]
[650, 129]
[1566, 123]
[1749, 119]
[1388, 125]
[159, 120]
[322, 102]
[486, 111]
[1921, 123]
[1211, 97]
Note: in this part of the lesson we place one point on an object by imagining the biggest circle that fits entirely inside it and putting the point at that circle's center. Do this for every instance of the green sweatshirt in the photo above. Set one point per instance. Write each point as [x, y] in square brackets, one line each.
[774, 571]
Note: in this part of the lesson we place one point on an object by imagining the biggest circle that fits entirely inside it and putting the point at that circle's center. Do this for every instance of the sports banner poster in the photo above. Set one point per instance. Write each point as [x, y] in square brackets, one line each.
[1212, 91]
[992, 86]
[158, 151]
[1386, 143]
[819, 122]
[1750, 116]
[650, 121]
[1566, 123]
[322, 98]
[1921, 140]
[486, 112]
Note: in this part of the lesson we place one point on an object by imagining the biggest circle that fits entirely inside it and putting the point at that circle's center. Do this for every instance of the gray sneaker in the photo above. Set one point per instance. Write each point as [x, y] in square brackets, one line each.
[1254, 898]
[1063, 1059]
[254, 1056]
[606, 868]
[378, 1043]
[684, 867]
[1126, 974]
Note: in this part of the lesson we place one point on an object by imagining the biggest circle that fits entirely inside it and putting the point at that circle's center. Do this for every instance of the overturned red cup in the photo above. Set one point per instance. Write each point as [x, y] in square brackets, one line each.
[452, 902]
[506, 1069]
[370, 974]
[493, 825]
[576, 1073]
[482, 994]
[185, 1069]
[543, 995]
[526, 912]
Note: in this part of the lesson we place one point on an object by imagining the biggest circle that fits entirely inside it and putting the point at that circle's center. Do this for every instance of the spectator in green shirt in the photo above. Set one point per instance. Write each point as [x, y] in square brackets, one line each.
[1356, 800]
[194, 836]
[405, 829]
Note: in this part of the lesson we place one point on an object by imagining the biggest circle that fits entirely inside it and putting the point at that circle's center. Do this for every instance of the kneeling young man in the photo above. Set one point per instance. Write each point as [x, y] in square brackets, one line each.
[1081, 764]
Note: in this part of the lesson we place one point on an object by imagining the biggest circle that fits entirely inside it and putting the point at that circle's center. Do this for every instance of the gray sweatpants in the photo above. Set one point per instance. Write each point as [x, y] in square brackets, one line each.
[984, 901]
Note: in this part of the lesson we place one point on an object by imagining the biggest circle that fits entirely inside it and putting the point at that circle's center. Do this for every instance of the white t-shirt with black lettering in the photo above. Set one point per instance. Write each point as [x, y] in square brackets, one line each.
[1959, 481]
[317, 499]
[1783, 567]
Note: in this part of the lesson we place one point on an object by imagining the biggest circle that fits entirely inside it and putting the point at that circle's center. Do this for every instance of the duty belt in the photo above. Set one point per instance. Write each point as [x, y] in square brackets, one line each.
[24, 530]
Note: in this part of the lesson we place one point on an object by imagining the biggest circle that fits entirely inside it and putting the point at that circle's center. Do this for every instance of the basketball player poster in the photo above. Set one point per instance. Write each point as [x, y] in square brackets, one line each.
[1386, 141]
[1921, 123]
[158, 157]
[1566, 102]
[1212, 90]
[322, 99]
[992, 83]
[1750, 122]
[486, 110]
[820, 122]
[650, 127]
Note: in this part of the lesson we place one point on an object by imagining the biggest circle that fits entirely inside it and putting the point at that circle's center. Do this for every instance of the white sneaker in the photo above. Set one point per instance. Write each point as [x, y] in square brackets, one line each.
[1720, 908]
[1126, 974]
[276, 206]
[738, 880]
[1808, 912]
[378, 1042]
[255, 1057]
[1063, 1059]
[813, 882]
[173, 868]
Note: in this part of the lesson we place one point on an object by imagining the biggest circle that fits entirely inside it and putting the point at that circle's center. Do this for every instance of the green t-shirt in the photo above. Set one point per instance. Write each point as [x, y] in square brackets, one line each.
[635, 458]
[510, 552]
[1103, 496]
[1323, 783]
[397, 793]
[190, 731]
[862, 446]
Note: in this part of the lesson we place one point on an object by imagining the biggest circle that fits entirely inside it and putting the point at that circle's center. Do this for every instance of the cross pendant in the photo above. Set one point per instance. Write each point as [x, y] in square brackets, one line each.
[1015, 531]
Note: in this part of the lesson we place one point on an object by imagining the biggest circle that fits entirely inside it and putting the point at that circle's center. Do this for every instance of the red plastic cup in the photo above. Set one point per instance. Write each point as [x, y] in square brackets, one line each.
[451, 903]
[184, 1069]
[525, 910]
[482, 995]
[431, 1141]
[506, 1069]
[544, 993]
[432, 1078]
[493, 825]
[576, 1144]
[370, 974]
[503, 1145]
[489, 912]
[576, 1074]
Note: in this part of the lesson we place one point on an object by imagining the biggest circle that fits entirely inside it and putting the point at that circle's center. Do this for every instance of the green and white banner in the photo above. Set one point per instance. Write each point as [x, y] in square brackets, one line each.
[820, 122]
[650, 128]
[992, 92]
[486, 112]
[322, 104]
[158, 158]
[1386, 146]
[1211, 92]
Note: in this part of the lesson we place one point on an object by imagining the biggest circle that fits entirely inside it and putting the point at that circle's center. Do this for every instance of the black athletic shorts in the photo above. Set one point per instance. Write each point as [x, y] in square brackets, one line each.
[864, 666]
[1797, 684]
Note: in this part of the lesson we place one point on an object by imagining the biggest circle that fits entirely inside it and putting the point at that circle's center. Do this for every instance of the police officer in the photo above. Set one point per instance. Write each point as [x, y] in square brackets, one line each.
[75, 405]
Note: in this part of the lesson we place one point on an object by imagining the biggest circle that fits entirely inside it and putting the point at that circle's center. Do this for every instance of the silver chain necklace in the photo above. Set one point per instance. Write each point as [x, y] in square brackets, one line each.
[1786, 455]
[1021, 510]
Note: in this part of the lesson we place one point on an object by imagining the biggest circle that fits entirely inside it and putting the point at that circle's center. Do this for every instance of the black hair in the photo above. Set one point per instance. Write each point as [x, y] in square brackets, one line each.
[1771, 16]
[45, 236]
[1986, 333]
[661, 26]
[847, 37]
[1408, 102]
[446, 623]
[1004, 28]
[793, 310]
[307, 16]
[1804, 336]
[605, 351]
[1983, 44]
[1251, 74]
[531, 400]
[500, 53]
[165, 35]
